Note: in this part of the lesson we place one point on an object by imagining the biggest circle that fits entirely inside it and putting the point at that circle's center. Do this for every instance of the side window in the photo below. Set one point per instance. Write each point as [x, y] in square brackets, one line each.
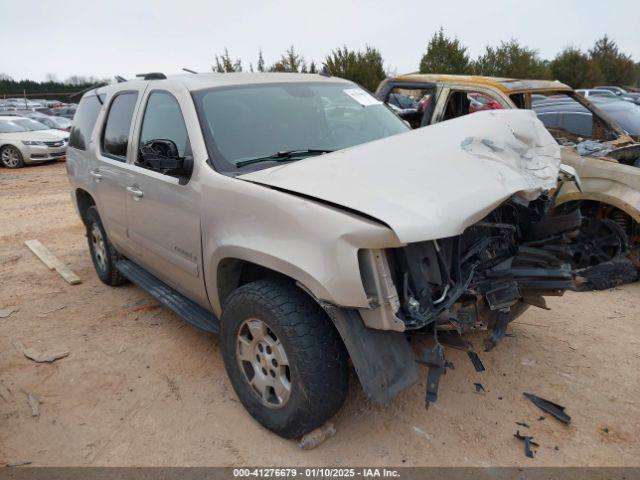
[413, 105]
[462, 103]
[115, 137]
[84, 121]
[163, 120]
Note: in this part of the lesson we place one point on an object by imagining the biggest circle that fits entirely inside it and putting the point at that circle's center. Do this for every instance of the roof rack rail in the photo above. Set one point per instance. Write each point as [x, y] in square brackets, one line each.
[152, 76]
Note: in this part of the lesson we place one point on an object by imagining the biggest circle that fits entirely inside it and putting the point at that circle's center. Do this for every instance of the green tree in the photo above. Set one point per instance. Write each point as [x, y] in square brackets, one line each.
[225, 64]
[575, 68]
[636, 75]
[289, 62]
[616, 67]
[511, 59]
[365, 68]
[260, 65]
[445, 55]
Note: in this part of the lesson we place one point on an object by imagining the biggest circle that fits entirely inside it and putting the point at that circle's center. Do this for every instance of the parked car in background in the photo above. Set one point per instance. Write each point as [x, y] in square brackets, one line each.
[480, 101]
[571, 116]
[35, 126]
[593, 92]
[67, 112]
[58, 123]
[609, 197]
[20, 146]
[622, 93]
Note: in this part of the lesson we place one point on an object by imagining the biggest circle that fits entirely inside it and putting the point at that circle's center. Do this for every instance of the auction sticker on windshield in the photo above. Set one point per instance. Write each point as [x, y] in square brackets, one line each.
[363, 98]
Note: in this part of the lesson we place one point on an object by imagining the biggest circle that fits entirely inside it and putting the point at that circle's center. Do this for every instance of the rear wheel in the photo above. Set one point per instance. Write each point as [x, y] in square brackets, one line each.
[103, 255]
[285, 360]
[11, 157]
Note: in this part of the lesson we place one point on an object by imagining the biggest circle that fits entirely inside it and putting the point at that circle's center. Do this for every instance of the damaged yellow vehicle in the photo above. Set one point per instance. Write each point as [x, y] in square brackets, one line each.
[604, 155]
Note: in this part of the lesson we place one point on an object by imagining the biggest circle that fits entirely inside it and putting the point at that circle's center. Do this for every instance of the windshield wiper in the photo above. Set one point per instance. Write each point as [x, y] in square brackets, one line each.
[283, 156]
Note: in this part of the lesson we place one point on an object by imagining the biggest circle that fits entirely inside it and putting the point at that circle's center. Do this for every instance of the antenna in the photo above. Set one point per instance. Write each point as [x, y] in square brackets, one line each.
[188, 70]
[120, 79]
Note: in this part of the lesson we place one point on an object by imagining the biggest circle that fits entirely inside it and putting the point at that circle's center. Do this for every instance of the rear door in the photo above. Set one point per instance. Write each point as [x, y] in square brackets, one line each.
[109, 168]
[163, 213]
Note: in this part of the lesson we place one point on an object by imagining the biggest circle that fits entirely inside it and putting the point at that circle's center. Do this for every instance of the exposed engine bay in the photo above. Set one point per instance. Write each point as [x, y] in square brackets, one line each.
[458, 282]
[510, 259]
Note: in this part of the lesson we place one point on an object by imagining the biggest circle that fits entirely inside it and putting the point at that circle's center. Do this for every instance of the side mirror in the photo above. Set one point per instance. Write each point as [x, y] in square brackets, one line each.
[161, 155]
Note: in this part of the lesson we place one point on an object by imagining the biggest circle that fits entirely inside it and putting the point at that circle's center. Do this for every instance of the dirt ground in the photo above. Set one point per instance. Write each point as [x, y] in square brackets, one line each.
[142, 388]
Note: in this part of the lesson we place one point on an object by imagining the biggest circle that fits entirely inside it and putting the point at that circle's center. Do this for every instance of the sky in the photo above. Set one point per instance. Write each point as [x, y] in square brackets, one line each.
[125, 37]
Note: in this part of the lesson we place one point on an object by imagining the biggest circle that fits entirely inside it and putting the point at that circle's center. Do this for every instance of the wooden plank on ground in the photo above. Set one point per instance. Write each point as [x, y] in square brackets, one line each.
[51, 261]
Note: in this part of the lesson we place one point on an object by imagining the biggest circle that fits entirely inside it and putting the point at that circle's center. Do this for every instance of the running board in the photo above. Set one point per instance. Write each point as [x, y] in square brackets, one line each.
[189, 311]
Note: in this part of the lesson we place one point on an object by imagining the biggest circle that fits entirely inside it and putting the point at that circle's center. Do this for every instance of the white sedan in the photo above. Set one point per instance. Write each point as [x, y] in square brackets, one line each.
[20, 145]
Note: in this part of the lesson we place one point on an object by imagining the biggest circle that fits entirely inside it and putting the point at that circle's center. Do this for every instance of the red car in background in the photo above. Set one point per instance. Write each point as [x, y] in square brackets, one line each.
[480, 102]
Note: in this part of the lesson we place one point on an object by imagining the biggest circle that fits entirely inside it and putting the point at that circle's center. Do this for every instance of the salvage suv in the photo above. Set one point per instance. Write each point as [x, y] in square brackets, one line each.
[303, 221]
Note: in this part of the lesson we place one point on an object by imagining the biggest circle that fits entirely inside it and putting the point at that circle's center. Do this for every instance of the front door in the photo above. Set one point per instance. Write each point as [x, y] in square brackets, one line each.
[163, 213]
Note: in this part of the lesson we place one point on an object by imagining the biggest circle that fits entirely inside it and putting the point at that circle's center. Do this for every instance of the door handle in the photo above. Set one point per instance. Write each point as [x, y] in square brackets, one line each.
[135, 191]
[96, 175]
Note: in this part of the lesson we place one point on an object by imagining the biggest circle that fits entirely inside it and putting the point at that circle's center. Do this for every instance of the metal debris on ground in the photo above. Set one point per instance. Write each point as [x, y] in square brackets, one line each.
[475, 359]
[549, 407]
[44, 357]
[6, 312]
[479, 387]
[34, 404]
[316, 437]
[528, 442]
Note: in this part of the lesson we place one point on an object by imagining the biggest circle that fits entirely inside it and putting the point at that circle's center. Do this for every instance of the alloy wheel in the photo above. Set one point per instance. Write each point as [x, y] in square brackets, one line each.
[10, 157]
[264, 363]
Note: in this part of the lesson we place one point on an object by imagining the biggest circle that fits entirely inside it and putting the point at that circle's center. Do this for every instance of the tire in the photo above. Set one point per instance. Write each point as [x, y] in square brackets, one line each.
[103, 255]
[317, 372]
[11, 157]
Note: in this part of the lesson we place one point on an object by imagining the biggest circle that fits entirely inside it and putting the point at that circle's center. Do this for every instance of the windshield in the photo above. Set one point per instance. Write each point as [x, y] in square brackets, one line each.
[256, 121]
[61, 122]
[29, 124]
[10, 127]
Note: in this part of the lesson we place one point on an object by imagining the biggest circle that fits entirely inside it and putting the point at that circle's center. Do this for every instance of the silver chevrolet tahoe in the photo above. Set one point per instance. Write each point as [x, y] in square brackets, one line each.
[301, 219]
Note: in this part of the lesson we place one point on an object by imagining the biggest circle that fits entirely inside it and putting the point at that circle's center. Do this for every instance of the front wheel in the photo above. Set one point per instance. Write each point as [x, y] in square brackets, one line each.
[11, 157]
[285, 359]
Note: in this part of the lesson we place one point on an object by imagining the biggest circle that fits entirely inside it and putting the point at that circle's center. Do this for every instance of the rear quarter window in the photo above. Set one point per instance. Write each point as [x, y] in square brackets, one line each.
[84, 122]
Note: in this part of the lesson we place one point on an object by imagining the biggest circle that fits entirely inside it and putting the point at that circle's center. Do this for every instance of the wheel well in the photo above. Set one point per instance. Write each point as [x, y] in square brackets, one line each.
[84, 201]
[233, 273]
[597, 209]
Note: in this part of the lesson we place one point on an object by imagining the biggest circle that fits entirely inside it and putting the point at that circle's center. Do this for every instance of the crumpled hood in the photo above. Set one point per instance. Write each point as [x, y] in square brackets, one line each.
[431, 182]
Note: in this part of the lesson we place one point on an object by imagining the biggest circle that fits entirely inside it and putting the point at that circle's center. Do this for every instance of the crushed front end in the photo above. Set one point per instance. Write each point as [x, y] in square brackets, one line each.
[479, 280]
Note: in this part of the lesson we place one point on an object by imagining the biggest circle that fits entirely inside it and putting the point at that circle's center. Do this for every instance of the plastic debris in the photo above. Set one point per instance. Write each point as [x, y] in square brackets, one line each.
[528, 442]
[316, 437]
[549, 407]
